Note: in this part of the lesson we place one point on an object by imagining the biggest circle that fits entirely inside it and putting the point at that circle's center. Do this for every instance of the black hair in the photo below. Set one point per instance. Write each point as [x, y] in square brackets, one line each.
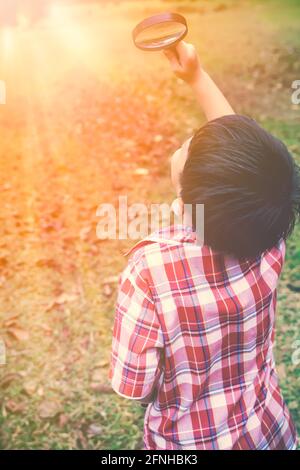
[248, 182]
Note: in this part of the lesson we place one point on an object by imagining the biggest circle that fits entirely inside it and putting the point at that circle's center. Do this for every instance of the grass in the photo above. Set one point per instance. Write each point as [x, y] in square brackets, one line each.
[83, 113]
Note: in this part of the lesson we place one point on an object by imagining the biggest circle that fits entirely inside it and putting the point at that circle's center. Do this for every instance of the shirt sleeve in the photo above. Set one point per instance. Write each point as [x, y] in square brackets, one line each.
[137, 345]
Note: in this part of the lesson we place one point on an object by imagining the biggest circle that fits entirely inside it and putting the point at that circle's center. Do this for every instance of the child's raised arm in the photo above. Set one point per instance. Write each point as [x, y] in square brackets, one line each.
[186, 65]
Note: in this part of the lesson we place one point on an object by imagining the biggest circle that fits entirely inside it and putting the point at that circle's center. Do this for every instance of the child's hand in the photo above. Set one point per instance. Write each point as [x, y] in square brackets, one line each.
[186, 65]
[185, 62]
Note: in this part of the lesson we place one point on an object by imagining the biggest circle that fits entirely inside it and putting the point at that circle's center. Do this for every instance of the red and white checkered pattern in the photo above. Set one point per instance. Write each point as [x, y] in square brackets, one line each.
[194, 329]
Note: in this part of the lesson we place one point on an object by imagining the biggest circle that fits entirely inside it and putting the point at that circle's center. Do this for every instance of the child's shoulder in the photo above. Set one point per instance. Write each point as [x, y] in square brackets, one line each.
[154, 250]
[171, 236]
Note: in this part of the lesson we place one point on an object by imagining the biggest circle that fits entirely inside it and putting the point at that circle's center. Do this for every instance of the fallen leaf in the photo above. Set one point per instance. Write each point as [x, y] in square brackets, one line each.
[18, 333]
[66, 332]
[10, 319]
[15, 407]
[48, 409]
[101, 388]
[46, 328]
[94, 430]
[8, 379]
[107, 290]
[84, 232]
[62, 420]
[30, 388]
[62, 299]
[102, 363]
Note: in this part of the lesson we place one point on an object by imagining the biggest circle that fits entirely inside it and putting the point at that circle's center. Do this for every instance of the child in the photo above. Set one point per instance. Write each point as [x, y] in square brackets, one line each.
[194, 326]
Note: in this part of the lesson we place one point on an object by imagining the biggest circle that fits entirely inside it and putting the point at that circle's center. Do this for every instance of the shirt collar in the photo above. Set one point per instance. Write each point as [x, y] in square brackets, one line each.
[172, 235]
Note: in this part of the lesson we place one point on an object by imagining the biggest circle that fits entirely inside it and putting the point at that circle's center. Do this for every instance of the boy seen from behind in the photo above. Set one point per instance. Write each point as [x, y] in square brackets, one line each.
[194, 326]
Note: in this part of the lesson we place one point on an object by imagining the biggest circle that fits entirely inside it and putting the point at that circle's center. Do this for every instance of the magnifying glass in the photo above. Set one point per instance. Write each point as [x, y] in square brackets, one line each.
[162, 31]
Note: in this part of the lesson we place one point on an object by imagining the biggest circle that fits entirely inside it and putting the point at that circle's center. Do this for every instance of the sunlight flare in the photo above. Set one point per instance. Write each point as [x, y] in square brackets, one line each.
[7, 41]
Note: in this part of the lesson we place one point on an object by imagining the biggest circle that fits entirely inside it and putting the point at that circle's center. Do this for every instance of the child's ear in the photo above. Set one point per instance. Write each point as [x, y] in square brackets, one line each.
[177, 207]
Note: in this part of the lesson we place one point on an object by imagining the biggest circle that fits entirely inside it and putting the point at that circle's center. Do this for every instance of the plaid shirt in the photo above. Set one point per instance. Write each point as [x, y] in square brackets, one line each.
[195, 329]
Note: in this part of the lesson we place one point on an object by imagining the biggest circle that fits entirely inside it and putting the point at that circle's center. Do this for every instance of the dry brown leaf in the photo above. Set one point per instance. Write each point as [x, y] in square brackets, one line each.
[48, 409]
[101, 388]
[10, 319]
[63, 420]
[107, 290]
[66, 332]
[15, 407]
[18, 333]
[94, 430]
[84, 232]
[46, 328]
[30, 388]
[62, 299]
[8, 379]
[102, 363]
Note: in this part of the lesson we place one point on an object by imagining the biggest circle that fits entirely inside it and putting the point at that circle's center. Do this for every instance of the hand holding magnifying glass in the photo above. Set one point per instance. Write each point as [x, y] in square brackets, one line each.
[166, 32]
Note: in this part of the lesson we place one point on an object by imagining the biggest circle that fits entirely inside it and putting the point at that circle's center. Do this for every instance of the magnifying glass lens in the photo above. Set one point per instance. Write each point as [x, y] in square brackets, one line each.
[160, 35]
